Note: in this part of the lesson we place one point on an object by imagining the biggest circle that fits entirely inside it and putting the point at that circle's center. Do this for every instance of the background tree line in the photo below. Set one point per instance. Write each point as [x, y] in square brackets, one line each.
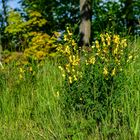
[122, 16]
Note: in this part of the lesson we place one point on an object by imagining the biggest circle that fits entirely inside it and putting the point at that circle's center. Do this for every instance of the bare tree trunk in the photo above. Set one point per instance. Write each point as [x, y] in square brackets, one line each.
[85, 26]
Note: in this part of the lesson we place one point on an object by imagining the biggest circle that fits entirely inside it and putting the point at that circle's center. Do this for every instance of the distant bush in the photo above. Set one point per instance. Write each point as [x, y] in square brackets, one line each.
[27, 39]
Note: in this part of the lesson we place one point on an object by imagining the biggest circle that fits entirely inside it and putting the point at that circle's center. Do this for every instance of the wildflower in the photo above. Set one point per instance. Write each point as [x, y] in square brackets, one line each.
[102, 38]
[105, 50]
[115, 51]
[113, 72]
[60, 68]
[92, 46]
[68, 68]
[63, 75]
[75, 78]
[69, 33]
[86, 62]
[21, 70]
[116, 39]
[30, 69]
[124, 42]
[104, 44]
[130, 57]
[105, 71]
[92, 60]
[73, 43]
[70, 59]
[67, 50]
[65, 37]
[70, 79]
[20, 76]
[108, 39]
[97, 44]
[73, 70]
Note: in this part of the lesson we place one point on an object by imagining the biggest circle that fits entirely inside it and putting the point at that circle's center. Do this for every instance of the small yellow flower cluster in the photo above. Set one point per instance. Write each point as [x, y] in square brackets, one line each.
[110, 50]
[24, 71]
[90, 60]
[109, 53]
[69, 51]
[21, 73]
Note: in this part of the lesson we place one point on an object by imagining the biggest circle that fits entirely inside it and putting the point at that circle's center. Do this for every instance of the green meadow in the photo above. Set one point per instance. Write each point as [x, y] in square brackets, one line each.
[32, 108]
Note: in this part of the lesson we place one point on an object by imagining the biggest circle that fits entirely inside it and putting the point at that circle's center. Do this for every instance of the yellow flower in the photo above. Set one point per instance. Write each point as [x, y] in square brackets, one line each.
[70, 59]
[63, 75]
[105, 50]
[73, 43]
[130, 57]
[65, 37]
[92, 60]
[102, 39]
[20, 76]
[60, 68]
[116, 39]
[97, 44]
[86, 62]
[73, 70]
[21, 70]
[124, 42]
[70, 79]
[68, 68]
[69, 33]
[92, 46]
[31, 69]
[105, 71]
[75, 78]
[108, 39]
[113, 72]
[104, 44]
[115, 51]
[67, 50]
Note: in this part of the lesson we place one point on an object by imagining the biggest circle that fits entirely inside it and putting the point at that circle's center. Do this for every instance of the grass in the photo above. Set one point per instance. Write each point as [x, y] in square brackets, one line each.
[31, 108]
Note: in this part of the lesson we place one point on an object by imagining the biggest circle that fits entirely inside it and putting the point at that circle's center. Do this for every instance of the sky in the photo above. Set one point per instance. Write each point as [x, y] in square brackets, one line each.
[13, 4]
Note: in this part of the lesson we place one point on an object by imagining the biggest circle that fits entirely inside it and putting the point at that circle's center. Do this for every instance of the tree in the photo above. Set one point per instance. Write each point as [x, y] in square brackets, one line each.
[58, 13]
[130, 11]
[3, 20]
[85, 25]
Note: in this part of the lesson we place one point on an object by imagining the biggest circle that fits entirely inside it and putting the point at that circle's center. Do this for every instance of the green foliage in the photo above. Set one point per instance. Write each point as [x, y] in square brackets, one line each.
[57, 13]
[113, 15]
[27, 38]
[92, 77]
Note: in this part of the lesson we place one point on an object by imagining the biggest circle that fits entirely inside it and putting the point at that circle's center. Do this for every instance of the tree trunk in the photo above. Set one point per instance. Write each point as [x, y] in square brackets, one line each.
[85, 25]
